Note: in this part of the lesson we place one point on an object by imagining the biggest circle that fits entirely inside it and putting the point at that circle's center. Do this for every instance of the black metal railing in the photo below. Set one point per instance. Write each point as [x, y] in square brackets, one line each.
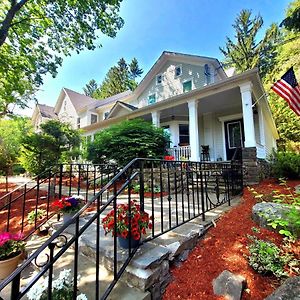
[37, 194]
[170, 192]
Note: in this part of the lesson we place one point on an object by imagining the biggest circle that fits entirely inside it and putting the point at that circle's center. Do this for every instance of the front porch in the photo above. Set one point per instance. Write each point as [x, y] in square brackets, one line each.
[220, 122]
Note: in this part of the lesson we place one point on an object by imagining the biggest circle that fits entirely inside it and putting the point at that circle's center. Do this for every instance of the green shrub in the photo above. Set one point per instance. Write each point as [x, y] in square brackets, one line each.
[285, 164]
[266, 258]
[128, 140]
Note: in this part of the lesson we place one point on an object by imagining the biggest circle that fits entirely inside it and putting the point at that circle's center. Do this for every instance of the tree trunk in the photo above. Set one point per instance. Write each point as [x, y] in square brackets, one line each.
[7, 22]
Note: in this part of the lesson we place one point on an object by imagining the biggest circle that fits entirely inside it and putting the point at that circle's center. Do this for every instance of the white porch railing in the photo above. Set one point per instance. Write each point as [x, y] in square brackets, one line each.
[180, 152]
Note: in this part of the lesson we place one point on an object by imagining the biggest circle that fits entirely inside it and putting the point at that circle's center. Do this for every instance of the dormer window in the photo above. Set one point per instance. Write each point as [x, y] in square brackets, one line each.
[178, 71]
[151, 99]
[187, 86]
[158, 79]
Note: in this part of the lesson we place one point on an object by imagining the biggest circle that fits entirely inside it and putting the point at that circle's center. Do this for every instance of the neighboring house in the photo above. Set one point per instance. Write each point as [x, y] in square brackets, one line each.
[41, 114]
[194, 100]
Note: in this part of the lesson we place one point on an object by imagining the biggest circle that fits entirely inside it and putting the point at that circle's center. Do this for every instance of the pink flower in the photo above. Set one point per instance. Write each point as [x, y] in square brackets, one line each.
[4, 237]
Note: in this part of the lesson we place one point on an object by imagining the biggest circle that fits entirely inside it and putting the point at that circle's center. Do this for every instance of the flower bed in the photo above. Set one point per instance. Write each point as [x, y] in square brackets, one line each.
[225, 248]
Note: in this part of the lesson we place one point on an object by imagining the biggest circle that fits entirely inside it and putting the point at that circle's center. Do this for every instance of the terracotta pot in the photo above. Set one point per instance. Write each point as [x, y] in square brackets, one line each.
[124, 243]
[9, 265]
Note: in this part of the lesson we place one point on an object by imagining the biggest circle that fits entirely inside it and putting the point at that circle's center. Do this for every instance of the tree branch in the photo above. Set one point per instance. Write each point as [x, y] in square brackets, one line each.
[6, 23]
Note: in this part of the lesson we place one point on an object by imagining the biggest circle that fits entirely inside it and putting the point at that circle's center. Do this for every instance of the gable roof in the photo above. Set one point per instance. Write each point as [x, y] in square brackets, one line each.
[47, 111]
[176, 56]
[121, 105]
[79, 101]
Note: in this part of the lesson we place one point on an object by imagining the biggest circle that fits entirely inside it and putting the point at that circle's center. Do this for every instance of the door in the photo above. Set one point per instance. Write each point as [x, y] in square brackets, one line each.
[234, 136]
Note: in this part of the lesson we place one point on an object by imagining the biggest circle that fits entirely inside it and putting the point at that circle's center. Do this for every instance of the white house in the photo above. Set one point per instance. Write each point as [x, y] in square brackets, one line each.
[193, 99]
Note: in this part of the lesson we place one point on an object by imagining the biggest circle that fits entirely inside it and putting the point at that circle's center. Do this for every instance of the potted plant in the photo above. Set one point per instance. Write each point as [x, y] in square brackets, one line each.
[68, 206]
[11, 249]
[130, 224]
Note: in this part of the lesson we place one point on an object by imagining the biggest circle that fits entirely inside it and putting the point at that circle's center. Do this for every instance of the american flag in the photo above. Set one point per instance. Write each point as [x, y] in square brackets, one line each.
[288, 88]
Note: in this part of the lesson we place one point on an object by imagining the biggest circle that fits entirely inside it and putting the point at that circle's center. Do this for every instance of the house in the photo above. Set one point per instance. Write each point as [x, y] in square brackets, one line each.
[193, 99]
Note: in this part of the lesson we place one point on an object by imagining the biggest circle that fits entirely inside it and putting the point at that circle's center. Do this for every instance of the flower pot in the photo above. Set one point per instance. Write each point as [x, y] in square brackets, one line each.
[67, 217]
[124, 242]
[8, 266]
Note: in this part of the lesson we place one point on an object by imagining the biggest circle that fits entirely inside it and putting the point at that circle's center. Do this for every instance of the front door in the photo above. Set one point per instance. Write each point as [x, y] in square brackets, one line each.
[234, 136]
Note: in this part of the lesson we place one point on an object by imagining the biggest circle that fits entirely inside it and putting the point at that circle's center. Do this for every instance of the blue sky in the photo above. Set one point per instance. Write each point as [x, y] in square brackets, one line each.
[152, 26]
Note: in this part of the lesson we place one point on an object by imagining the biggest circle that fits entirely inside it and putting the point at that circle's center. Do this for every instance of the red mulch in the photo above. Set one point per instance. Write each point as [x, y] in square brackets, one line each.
[16, 212]
[224, 248]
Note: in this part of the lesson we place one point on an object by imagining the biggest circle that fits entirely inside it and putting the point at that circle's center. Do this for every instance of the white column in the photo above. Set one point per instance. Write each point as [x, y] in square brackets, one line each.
[174, 130]
[156, 118]
[193, 130]
[246, 89]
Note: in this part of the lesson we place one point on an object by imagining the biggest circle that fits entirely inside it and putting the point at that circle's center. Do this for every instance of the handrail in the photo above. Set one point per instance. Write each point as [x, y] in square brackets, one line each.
[66, 225]
[194, 177]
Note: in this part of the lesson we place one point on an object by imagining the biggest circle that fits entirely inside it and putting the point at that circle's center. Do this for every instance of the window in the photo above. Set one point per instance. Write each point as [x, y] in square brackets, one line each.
[184, 136]
[207, 73]
[94, 118]
[65, 105]
[151, 99]
[158, 79]
[105, 115]
[178, 71]
[187, 86]
[78, 122]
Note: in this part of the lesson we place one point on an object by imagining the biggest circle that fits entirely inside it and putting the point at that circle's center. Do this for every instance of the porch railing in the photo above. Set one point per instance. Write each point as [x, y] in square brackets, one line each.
[171, 192]
[180, 152]
[40, 192]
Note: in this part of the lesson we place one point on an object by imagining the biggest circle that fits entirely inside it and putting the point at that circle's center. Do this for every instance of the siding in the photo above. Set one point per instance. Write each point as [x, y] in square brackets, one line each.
[172, 86]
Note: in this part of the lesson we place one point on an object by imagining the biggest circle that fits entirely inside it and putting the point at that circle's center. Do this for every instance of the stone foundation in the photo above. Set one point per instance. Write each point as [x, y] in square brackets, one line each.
[250, 166]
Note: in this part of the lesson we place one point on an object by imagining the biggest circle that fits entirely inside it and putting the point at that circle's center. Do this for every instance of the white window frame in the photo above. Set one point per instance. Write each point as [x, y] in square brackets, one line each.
[178, 66]
[156, 80]
[96, 118]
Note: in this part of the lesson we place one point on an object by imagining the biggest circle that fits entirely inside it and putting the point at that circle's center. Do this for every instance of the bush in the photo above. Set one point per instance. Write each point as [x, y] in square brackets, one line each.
[128, 140]
[285, 165]
[266, 258]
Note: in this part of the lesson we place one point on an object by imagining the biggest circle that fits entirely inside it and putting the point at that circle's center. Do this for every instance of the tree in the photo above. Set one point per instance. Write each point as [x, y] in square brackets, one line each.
[127, 140]
[54, 144]
[292, 20]
[90, 88]
[11, 134]
[35, 35]
[245, 52]
[287, 122]
[119, 78]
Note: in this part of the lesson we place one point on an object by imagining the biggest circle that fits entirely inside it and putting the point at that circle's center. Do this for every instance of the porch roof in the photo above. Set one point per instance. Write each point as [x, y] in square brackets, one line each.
[221, 86]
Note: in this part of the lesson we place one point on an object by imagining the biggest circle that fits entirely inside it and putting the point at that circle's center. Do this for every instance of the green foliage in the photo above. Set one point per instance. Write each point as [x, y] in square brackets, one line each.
[285, 165]
[35, 35]
[128, 140]
[11, 133]
[35, 215]
[52, 145]
[292, 20]
[120, 78]
[266, 258]
[245, 52]
[90, 88]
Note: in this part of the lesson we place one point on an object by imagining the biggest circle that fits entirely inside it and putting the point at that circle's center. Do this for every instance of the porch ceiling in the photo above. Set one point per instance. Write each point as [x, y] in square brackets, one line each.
[226, 101]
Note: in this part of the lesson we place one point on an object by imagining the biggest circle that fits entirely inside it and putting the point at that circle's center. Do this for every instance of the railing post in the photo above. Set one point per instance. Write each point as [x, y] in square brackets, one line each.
[60, 181]
[15, 287]
[142, 185]
[202, 192]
